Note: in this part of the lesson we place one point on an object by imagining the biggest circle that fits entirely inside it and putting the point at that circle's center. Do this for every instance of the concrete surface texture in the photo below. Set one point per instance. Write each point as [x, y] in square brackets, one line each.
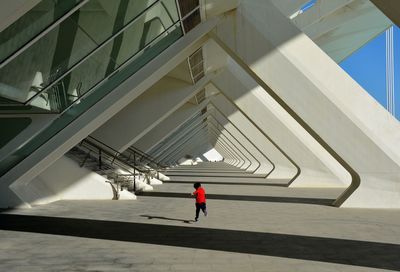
[253, 224]
[325, 99]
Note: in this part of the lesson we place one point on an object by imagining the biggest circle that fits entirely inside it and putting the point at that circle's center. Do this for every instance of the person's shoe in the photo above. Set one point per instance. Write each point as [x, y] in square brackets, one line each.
[196, 219]
[205, 213]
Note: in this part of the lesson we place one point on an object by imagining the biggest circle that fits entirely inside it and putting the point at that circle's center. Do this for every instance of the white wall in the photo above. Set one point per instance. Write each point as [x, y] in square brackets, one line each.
[65, 180]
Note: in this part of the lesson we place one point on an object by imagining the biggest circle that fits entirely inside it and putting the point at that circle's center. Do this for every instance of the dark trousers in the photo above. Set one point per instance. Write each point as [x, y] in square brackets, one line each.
[199, 206]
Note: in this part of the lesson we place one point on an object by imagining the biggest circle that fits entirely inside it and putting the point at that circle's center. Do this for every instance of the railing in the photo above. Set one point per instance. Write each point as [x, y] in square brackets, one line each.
[107, 156]
[121, 156]
[145, 157]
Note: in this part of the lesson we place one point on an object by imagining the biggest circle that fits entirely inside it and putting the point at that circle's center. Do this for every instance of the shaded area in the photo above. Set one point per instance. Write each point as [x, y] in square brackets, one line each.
[297, 200]
[229, 175]
[11, 128]
[229, 183]
[331, 250]
[167, 218]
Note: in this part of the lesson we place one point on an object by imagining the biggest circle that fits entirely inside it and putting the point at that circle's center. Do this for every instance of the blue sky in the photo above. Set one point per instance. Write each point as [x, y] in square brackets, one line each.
[368, 67]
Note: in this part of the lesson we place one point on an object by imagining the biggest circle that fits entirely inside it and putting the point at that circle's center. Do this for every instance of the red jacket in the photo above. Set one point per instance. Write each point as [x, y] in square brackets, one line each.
[200, 195]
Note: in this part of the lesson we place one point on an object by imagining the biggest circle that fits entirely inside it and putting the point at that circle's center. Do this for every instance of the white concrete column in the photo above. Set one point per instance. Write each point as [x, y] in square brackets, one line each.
[284, 169]
[238, 160]
[266, 166]
[285, 134]
[344, 119]
[242, 143]
[251, 163]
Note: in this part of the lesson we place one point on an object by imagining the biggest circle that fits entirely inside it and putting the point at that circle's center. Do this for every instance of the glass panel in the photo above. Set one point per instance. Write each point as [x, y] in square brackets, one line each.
[67, 44]
[45, 61]
[102, 18]
[192, 20]
[31, 24]
[127, 52]
[103, 62]
[68, 116]
[187, 6]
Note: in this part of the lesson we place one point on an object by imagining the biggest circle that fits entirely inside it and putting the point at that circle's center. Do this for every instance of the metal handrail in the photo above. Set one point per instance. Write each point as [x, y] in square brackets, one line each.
[146, 156]
[95, 148]
[115, 155]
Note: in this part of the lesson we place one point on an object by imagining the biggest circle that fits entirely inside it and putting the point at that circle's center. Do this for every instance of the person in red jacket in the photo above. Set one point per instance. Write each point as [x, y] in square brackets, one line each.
[200, 195]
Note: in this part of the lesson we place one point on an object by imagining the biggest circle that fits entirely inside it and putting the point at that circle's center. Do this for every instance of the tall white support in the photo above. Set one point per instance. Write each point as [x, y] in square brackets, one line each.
[390, 72]
[328, 103]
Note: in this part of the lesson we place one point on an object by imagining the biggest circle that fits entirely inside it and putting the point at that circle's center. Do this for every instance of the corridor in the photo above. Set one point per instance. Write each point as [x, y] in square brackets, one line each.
[254, 224]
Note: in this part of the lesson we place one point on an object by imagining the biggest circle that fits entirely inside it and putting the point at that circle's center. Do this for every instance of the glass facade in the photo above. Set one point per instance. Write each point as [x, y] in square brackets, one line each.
[85, 48]
[32, 23]
[85, 58]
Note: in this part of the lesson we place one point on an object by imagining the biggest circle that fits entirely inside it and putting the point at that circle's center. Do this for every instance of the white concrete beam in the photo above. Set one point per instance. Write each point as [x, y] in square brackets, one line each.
[283, 166]
[359, 133]
[283, 131]
[231, 142]
[167, 126]
[168, 144]
[240, 159]
[266, 166]
[252, 163]
[146, 112]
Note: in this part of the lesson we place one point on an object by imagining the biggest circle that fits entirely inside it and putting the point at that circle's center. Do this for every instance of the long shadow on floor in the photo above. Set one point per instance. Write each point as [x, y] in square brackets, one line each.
[167, 218]
[223, 175]
[229, 183]
[297, 200]
[331, 250]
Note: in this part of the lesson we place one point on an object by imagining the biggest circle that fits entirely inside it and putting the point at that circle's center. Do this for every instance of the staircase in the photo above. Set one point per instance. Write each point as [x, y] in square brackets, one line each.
[129, 170]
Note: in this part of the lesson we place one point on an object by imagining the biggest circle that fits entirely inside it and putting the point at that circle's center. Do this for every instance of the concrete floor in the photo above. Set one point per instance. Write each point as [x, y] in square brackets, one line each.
[252, 226]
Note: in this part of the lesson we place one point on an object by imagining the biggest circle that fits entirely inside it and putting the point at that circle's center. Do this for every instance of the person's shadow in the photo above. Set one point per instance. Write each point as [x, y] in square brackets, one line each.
[167, 218]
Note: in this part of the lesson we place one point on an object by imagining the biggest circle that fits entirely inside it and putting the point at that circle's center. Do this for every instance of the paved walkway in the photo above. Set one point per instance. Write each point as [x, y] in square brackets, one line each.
[252, 226]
